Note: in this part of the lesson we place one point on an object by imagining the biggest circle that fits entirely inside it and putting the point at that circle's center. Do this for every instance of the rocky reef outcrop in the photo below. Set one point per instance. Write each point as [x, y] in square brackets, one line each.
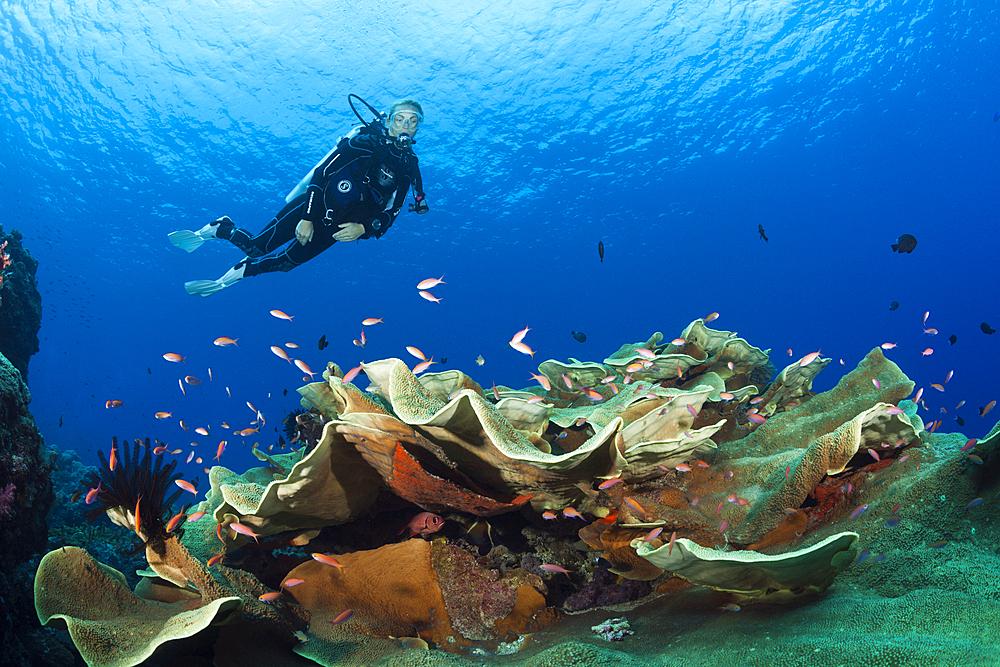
[20, 302]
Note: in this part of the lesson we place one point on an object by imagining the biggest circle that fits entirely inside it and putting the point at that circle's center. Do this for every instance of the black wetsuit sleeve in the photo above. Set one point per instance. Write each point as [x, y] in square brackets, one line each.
[348, 151]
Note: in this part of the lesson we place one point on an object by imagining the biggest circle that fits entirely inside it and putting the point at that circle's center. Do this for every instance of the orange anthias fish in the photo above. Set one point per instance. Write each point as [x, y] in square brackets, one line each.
[163, 415]
[555, 569]
[269, 597]
[342, 617]
[809, 358]
[423, 366]
[282, 316]
[416, 352]
[571, 513]
[542, 380]
[221, 448]
[92, 494]
[304, 367]
[429, 296]
[113, 404]
[187, 486]
[215, 560]
[175, 521]
[292, 582]
[353, 373]
[223, 341]
[428, 283]
[192, 380]
[328, 560]
[523, 349]
[112, 459]
[519, 336]
[244, 530]
[174, 357]
[280, 353]
[248, 431]
[201, 430]
[711, 317]
[369, 321]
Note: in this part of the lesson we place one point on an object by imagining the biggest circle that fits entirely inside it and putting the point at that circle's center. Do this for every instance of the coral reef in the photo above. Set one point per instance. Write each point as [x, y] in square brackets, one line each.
[654, 481]
[26, 491]
[20, 302]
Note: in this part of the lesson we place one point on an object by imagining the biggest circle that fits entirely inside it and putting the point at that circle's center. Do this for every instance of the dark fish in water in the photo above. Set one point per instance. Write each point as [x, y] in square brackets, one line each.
[284, 392]
[996, 116]
[760, 230]
[987, 329]
[60, 420]
[600, 250]
[75, 497]
[905, 243]
[953, 339]
[580, 336]
[894, 305]
[444, 360]
[322, 342]
[149, 370]
[961, 422]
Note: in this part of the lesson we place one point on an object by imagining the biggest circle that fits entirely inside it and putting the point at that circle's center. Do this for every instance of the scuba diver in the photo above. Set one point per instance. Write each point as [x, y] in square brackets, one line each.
[355, 192]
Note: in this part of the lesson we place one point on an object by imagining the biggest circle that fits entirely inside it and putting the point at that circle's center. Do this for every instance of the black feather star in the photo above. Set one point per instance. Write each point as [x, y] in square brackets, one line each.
[135, 483]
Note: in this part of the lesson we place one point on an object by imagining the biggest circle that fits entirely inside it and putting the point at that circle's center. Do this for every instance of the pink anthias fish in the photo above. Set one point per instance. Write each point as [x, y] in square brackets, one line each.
[424, 523]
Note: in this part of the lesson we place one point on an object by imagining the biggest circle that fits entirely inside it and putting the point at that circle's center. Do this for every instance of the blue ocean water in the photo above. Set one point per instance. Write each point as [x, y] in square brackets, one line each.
[666, 131]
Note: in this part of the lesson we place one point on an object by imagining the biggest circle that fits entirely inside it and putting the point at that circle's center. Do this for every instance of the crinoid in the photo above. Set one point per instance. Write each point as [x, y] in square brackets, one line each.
[135, 487]
[303, 426]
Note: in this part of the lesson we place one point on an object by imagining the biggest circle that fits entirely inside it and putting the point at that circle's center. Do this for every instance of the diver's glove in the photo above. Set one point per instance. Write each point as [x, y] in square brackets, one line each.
[420, 204]
[304, 231]
[349, 231]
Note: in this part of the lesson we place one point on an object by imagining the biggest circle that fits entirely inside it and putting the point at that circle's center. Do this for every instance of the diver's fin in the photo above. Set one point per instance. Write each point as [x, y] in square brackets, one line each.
[186, 240]
[203, 287]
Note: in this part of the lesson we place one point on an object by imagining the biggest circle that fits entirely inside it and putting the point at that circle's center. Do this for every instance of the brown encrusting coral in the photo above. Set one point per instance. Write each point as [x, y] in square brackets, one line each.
[667, 469]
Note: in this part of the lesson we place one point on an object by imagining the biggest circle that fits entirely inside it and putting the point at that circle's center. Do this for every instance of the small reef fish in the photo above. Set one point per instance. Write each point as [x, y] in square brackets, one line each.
[281, 316]
[244, 530]
[480, 361]
[858, 512]
[342, 617]
[278, 352]
[523, 349]
[223, 341]
[221, 448]
[192, 380]
[928, 352]
[290, 346]
[424, 523]
[571, 513]
[163, 415]
[542, 380]
[670, 544]
[353, 373]
[114, 403]
[555, 569]
[292, 582]
[423, 366]
[549, 515]
[579, 336]
[894, 305]
[175, 521]
[634, 505]
[370, 321]
[878, 385]
[187, 486]
[112, 460]
[519, 336]
[711, 317]
[201, 430]
[905, 243]
[600, 248]
[327, 560]
[92, 494]
[195, 516]
[809, 358]
[653, 534]
[983, 411]
[429, 296]
[760, 231]
[416, 352]
[682, 467]
[174, 357]
[215, 560]
[269, 597]
[987, 329]
[428, 283]
[304, 367]
[730, 607]
[608, 483]
[322, 343]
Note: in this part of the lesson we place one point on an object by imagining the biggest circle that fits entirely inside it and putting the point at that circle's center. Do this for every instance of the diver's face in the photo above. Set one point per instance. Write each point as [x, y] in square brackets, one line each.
[404, 122]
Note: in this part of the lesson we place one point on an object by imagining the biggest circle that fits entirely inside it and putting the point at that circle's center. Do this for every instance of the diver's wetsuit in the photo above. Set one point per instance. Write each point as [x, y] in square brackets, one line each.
[364, 180]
